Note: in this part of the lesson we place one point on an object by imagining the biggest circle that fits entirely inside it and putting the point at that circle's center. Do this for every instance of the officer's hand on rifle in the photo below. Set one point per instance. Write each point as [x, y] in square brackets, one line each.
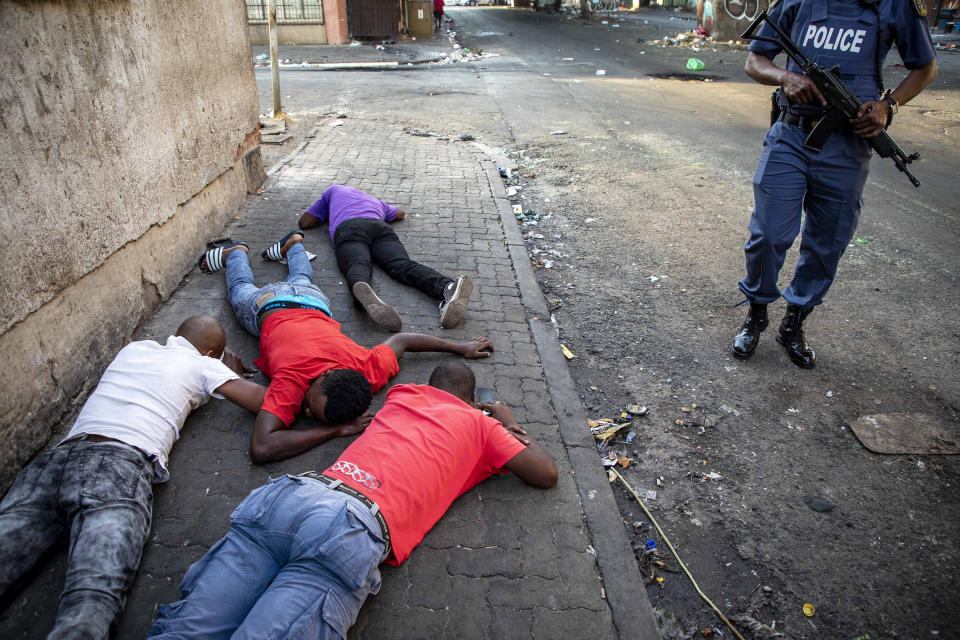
[871, 118]
[800, 89]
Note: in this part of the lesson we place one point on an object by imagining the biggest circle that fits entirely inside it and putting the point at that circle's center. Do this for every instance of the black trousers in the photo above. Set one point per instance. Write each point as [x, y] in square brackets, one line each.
[361, 242]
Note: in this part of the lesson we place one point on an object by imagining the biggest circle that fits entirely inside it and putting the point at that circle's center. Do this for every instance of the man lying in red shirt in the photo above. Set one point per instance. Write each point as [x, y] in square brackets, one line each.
[302, 552]
[310, 363]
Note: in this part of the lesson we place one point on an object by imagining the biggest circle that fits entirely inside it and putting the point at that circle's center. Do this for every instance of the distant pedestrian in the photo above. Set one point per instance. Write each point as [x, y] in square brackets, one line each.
[438, 13]
[303, 552]
[95, 487]
[361, 236]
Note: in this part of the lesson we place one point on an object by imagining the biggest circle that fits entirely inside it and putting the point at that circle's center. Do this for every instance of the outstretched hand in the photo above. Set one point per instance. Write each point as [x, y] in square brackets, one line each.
[237, 365]
[477, 348]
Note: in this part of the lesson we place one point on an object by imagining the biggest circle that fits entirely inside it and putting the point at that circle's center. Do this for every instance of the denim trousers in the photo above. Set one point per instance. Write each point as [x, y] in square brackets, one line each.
[361, 242]
[246, 298]
[100, 495]
[298, 562]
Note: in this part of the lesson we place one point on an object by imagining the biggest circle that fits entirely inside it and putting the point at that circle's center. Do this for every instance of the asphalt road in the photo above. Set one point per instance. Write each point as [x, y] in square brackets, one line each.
[643, 206]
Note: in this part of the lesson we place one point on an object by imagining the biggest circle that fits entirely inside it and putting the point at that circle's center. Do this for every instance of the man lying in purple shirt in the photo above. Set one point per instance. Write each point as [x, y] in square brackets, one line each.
[361, 236]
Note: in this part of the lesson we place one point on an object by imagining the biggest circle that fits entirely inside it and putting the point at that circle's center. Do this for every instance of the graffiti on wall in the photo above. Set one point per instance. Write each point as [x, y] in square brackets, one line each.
[742, 9]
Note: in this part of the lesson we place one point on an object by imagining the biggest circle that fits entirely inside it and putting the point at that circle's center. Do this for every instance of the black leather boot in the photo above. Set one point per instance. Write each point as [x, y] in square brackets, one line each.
[791, 337]
[749, 336]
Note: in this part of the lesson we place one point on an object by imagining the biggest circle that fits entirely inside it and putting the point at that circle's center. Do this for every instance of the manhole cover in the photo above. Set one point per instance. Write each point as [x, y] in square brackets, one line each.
[952, 116]
[687, 77]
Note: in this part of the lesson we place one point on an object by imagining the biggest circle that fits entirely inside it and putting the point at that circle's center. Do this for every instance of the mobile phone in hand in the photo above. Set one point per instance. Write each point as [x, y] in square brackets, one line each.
[484, 394]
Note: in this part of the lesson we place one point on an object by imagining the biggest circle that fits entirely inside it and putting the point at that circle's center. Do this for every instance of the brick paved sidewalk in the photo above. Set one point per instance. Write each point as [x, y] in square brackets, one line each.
[507, 561]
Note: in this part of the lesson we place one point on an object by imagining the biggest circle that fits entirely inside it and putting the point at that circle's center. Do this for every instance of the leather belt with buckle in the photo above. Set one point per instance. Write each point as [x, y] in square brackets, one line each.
[338, 485]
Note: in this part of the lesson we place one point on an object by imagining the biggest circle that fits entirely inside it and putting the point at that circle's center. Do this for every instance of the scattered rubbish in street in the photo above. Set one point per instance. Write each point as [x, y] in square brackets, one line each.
[631, 436]
[713, 475]
[808, 610]
[466, 137]
[677, 557]
[605, 431]
[601, 72]
[512, 191]
[336, 123]
[861, 240]
[829, 394]
[591, 550]
[518, 209]
[636, 409]
[759, 629]
[818, 504]
[651, 544]
[660, 481]
[611, 476]
[650, 494]
[558, 132]
[355, 44]
[729, 410]
[695, 64]
[639, 40]
[421, 133]
[660, 581]
[262, 56]
[567, 59]
[623, 461]
[566, 352]
[504, 173]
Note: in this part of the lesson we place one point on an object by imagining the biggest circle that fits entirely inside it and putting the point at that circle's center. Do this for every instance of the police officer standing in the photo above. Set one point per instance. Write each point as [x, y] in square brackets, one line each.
[828, 186]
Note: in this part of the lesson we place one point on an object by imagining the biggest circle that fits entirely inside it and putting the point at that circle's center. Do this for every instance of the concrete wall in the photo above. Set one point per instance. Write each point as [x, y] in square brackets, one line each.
[289, 34]
[727, 19]
[130, 136]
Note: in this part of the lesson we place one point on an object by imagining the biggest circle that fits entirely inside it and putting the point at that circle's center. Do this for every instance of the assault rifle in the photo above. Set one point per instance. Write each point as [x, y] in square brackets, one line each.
[842, 104]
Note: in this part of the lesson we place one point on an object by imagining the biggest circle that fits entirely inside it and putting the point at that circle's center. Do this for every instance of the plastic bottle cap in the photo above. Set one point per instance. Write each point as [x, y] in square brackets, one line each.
[808, 610]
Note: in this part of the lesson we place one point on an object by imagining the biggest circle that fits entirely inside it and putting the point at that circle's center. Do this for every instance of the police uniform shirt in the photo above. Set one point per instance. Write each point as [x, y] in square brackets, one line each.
[851, 35]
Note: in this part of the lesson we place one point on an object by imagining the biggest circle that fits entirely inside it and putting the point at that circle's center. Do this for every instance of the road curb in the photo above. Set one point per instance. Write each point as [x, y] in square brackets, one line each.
[626, 593]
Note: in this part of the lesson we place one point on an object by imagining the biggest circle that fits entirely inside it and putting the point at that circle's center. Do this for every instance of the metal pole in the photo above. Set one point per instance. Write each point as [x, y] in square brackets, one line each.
[274, 63]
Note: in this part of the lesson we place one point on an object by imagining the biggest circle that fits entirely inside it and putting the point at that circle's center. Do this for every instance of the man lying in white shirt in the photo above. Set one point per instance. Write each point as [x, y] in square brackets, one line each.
[95, 486]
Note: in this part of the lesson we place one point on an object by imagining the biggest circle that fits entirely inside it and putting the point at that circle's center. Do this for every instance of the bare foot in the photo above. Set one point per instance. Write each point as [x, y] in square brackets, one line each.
[296, 238]
[226, 252]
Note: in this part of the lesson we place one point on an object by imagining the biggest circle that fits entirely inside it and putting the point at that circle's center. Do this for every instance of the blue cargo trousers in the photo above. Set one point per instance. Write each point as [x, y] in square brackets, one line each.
[298, 562]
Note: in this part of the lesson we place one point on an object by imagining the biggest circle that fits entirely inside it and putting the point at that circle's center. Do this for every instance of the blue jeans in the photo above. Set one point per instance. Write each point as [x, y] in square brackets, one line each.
[298, 562]
[246, 298]
[100, 495]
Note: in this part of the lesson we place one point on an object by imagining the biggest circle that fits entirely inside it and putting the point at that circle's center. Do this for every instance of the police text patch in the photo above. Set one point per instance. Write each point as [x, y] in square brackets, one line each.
[830, 38]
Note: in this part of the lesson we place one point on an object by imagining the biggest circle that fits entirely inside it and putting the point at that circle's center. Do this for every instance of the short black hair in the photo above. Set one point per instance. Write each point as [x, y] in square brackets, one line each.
[455, 378]
[348, 395]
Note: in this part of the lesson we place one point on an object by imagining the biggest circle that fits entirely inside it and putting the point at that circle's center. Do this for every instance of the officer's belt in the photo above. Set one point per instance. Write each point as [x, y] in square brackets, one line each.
[338, 485]
[804, 122]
